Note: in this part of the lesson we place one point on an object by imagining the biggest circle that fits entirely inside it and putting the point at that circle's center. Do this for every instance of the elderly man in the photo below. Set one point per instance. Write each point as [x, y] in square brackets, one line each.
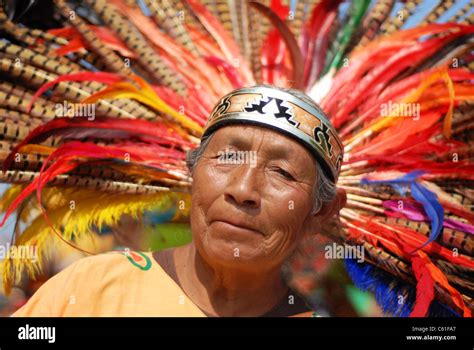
[263, 178]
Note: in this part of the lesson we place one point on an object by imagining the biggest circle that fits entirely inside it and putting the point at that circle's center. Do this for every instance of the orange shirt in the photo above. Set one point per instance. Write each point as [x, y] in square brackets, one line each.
[111, 284]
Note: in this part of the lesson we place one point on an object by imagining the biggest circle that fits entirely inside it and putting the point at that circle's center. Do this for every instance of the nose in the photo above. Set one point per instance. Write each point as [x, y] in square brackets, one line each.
[243, 189]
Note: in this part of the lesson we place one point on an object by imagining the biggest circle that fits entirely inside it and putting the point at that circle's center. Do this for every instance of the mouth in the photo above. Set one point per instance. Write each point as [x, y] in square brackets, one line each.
[238, 226]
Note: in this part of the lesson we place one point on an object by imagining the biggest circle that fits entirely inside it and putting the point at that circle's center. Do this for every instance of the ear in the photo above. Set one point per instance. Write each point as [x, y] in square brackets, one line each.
[330, 209]
[315, 221]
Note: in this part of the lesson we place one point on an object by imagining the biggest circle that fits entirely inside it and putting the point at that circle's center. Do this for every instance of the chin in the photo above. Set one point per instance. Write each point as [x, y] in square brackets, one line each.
[233, 253]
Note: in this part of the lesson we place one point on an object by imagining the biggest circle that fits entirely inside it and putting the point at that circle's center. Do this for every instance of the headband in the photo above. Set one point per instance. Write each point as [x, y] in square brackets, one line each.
[285, 113]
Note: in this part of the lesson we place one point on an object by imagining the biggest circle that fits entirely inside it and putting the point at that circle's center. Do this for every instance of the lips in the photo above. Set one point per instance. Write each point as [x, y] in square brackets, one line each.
[238, 224]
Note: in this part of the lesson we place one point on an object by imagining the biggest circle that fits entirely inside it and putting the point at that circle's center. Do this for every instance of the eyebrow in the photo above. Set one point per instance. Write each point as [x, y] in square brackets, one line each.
[244, 143]
[239, 142]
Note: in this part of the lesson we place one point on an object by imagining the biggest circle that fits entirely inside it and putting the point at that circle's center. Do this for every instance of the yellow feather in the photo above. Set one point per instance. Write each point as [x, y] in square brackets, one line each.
[9, 196]
[148, 97]
[37, 149]
[74, 214]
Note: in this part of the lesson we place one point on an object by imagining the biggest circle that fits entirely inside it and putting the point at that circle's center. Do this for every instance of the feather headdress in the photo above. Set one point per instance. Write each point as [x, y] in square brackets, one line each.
[101, 102]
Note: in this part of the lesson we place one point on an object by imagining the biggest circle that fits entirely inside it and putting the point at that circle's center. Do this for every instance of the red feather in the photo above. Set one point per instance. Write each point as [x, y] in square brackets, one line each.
[103, 77]
[424, 287]
[160, 132]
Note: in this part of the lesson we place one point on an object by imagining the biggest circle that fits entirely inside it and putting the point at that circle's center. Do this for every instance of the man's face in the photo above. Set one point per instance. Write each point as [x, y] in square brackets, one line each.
[252, 197]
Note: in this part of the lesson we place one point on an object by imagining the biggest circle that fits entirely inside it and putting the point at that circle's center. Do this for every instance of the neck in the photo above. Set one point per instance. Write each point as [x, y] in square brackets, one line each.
[222, 291]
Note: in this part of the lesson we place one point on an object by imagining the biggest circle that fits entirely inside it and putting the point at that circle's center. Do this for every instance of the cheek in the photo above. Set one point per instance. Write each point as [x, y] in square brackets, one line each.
[204, 192]
[287, 216]
[207, 184]
[207, 188]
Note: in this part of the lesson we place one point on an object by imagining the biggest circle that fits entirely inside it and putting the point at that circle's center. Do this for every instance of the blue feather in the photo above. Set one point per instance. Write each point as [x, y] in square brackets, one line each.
[368, 278]
[432, 208]
[428, 199]
[394, 297]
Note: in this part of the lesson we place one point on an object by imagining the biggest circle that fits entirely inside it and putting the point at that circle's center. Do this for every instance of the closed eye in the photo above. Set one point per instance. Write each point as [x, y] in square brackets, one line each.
[226, 154]
[285, 174]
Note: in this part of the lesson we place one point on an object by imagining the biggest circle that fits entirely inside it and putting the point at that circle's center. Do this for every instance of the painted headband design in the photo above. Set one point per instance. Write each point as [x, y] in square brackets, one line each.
[285, 113]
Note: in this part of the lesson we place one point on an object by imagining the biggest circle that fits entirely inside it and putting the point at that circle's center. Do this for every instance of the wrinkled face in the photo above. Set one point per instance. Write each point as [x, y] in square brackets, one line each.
[252, 197]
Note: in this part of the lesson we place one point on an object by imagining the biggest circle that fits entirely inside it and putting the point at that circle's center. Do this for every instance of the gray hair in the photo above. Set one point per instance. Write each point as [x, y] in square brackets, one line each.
[324, 190]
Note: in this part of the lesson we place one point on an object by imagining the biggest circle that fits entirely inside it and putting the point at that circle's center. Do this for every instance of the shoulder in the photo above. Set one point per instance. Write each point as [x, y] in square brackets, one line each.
[114, 263]
[103, 271]
[123, 259]
[92, 278]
